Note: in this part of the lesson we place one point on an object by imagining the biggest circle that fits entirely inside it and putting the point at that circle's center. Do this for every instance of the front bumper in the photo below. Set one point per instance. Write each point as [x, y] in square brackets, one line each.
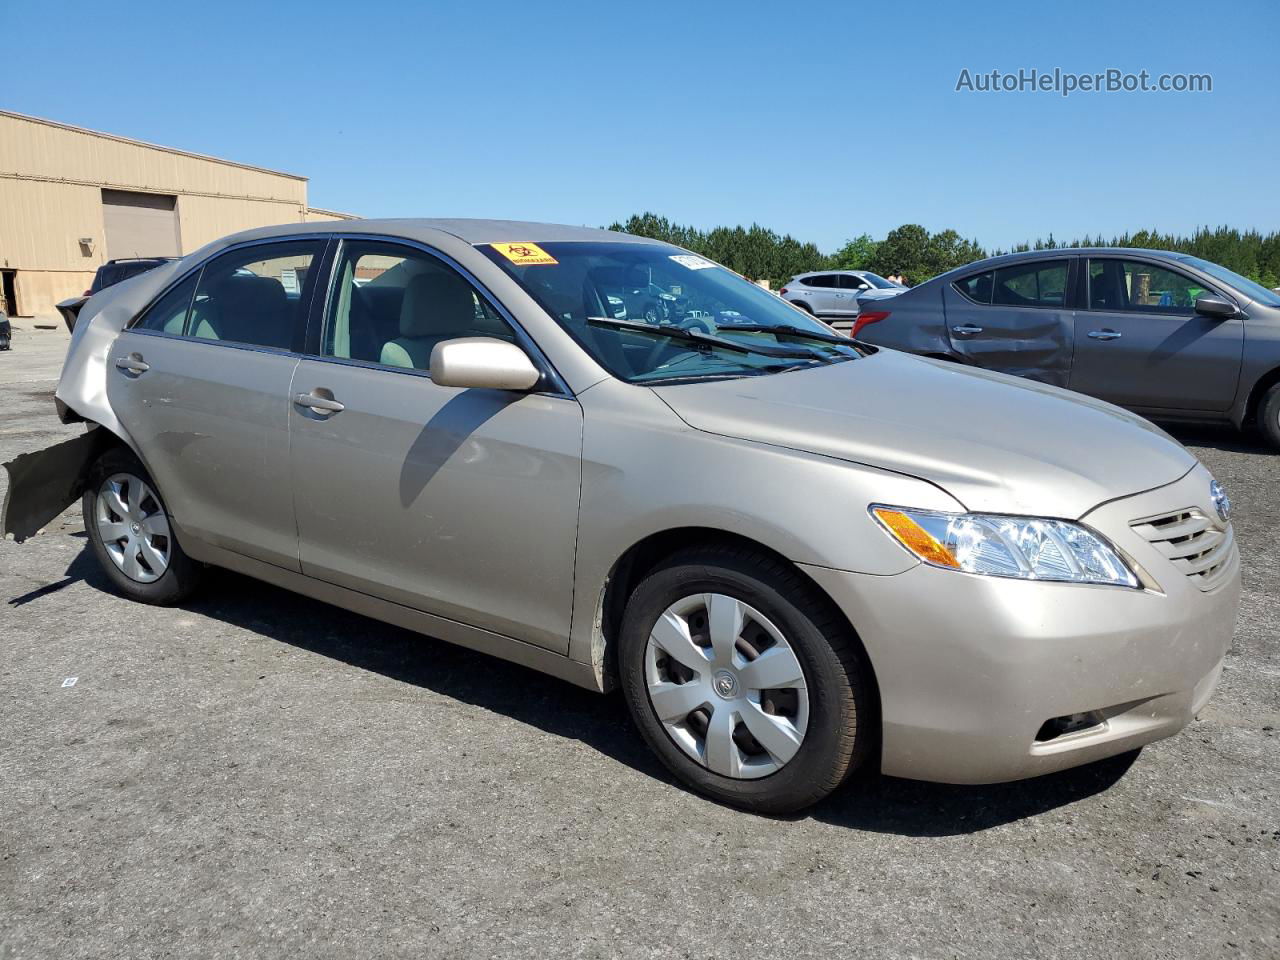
[971, 668]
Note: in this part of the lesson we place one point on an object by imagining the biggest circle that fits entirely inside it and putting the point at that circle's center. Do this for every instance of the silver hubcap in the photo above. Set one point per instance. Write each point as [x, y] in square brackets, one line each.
[726, 685]
[133, 527]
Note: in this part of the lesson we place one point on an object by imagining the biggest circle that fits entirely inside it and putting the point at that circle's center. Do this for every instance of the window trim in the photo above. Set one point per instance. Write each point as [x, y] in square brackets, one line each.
[553, 383]
[1072, 261]
[1184, 312]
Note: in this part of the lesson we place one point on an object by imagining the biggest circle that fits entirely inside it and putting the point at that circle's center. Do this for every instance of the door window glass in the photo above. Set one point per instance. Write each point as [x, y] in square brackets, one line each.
[826, 280]
[1040, 284]
[256, 295]
[1141, 287]
[392, 305]
[169, 313]
[977, 288]
[849, 282]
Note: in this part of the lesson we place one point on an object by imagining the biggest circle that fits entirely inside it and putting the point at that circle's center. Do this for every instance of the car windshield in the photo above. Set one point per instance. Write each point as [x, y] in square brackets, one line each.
[880, 283]
[1255, 291]
[631, 306]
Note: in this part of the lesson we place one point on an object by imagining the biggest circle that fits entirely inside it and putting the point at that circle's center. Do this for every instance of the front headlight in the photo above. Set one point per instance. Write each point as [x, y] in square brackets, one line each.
[1027, 548]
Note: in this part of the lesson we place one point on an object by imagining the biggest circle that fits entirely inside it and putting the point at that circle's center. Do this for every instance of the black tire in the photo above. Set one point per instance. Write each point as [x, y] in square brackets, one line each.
[1269, 415]
[842, 713]
[802, 305]
[181, 576]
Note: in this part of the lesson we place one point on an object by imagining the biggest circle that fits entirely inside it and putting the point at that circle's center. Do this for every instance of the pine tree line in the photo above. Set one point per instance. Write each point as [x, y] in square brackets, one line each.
[762, 254]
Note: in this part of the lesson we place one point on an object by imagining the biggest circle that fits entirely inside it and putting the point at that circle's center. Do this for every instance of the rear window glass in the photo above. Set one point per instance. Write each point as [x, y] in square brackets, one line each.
[1041, 284]
[977, 288]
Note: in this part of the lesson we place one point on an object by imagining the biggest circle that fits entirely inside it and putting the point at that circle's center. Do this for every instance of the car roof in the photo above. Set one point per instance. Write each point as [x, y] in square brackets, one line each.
[469, 231]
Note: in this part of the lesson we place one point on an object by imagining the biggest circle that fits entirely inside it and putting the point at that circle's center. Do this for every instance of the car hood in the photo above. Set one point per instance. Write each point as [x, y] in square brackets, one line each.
[996, 443]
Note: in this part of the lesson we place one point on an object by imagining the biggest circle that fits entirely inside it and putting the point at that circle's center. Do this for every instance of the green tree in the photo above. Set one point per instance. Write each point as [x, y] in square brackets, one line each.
[856, 254]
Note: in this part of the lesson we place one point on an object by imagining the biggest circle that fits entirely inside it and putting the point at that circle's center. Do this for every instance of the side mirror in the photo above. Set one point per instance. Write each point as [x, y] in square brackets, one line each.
[482, 362]
[1215, 308]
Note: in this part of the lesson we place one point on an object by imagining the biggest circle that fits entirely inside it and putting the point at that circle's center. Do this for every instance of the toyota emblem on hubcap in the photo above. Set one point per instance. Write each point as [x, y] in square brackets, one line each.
[1221, 502]
[726, 684]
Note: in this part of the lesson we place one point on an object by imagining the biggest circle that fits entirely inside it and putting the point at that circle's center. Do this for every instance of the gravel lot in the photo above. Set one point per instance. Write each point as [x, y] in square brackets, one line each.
[263, 774]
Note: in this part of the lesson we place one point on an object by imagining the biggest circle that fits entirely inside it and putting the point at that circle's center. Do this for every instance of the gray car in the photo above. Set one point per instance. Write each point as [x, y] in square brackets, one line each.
[837, 295]
[1169, 335]
[796, 555]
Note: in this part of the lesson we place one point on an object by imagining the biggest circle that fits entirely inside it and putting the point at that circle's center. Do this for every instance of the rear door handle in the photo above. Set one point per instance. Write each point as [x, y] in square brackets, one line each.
[318, 403]
[967, 330]
[1105, 334]
[133, 364]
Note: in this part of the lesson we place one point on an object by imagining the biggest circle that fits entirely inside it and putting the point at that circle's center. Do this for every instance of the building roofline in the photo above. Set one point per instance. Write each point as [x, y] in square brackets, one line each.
[334, 213]
[150, 146]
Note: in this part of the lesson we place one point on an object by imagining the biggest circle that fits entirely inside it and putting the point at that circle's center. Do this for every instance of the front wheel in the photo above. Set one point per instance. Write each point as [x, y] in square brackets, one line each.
[1269, 416]
[131, 534]
[745, 681]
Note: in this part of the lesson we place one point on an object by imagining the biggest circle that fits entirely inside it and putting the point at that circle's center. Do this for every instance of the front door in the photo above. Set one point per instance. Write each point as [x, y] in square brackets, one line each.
[461, 503]
[1141, 344]
[201, 384]
[1017, 319]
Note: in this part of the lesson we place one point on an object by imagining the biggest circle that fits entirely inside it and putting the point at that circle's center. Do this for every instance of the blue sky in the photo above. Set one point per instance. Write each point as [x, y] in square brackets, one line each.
[820, 119]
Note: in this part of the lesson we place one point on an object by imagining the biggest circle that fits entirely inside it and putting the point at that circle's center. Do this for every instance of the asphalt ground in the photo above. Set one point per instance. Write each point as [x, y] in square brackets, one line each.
[258, 774]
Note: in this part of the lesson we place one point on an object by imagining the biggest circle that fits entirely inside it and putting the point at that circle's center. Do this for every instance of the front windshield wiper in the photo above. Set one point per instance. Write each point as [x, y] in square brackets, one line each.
[700, 338]
[790, 331]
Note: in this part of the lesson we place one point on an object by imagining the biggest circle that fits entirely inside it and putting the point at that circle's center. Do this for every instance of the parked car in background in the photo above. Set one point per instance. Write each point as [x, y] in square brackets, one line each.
[796, 555]
[110, 273]
[6, 332]
[1168, 335]
[835, 295]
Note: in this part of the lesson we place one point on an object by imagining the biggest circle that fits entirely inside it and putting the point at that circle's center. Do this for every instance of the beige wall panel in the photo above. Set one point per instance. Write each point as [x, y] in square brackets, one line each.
[33, 149]
[202, 219]
[39, 290]
[41, 223]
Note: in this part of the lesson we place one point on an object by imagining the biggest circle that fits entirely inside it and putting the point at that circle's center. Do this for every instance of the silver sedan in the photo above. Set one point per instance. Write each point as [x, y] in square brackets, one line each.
[796, 555]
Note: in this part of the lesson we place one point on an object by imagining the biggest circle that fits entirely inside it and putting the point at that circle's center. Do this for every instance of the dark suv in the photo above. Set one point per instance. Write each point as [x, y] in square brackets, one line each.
[109, 274]
[1169, 335]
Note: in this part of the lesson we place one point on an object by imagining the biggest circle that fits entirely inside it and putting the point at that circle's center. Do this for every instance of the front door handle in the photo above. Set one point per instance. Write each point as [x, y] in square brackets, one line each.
[133, 364]
[1105, 334]
[318, 403]
[968, 330]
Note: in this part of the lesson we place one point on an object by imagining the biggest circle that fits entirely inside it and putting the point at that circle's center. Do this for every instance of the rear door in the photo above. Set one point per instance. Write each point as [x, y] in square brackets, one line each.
[819, 292]
[1016, 319]
[460, 503]
[201, 383]
[1141, 343]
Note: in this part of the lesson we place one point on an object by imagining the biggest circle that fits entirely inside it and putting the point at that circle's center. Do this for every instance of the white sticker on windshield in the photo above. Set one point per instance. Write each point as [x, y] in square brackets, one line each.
[692, 262]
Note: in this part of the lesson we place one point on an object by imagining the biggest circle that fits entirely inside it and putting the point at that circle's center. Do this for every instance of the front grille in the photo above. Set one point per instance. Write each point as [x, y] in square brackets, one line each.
[1193, 543]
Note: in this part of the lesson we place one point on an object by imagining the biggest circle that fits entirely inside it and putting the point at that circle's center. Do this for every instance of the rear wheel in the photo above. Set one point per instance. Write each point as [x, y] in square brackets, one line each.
[1269, 415]
[802, 305]
[131, 534]
[744, 680]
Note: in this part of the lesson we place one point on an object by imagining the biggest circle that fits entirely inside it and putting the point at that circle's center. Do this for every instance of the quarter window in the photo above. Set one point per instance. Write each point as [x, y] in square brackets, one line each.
[977, 288]
[391, 305]
[1139, 287]
[256, 295]
[1041, 284]
[169, 313]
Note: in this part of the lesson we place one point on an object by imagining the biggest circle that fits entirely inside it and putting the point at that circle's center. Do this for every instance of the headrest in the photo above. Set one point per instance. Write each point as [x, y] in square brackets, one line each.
[261, 296]
[437, 304]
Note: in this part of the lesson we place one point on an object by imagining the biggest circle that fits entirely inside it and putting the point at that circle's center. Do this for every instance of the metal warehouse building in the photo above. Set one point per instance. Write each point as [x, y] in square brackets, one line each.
[71, 199]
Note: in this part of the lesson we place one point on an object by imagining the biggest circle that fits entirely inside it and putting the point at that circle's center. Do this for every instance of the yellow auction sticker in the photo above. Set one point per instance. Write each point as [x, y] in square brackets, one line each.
[524, 254]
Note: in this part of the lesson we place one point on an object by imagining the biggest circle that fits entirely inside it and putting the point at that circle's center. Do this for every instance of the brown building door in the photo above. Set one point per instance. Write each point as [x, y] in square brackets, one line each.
[140, 224]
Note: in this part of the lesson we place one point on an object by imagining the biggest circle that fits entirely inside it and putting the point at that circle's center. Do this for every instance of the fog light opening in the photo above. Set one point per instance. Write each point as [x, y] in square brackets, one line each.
[1057, 727]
